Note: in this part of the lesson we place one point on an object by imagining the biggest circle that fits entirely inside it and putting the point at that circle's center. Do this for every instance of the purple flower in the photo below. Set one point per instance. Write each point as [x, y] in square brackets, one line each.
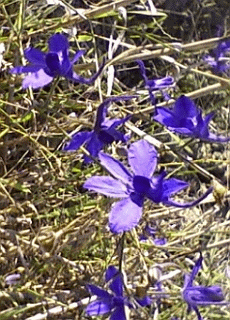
[185, 118]
[160, 241]
[196, 296]
[217, 60]
[134, 187]
[113, 301]
[150, 231]
[154, 84]
[12, 279]
[44, 67]
[103, 133]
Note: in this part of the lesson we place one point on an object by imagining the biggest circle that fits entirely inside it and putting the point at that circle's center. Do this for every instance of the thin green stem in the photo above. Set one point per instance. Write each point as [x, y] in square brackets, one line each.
[53, 86]
[121, 250]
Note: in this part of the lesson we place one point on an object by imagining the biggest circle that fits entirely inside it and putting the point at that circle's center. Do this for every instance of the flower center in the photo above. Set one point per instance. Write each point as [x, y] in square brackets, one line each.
[53, 63]
[141, 184]
[118, 301]
[105, 137]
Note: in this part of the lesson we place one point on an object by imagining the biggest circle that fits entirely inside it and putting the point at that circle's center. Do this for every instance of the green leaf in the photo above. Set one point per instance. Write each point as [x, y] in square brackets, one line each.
[27, 117]
[84, 38]
[106, 14]
[15, 184]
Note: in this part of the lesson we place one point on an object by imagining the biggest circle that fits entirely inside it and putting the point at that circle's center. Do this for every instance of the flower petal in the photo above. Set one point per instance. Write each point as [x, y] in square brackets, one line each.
[66, 65]
[106, 185]
[98, 307]
[117, 285]
[222, 48]
[124, 215]
[100, 293]
[111, 134]
[201, 129]
[173, 122]
[210, 60]
[25, 69]
[160, 83]
[36, 80]
[77, 140]
[194, 272]
[185, 108]
[208, 118]
[12, 279]
[212, 295]
[101, 113]
[142, 69]
[119, 313]
[160, 241]
[203, 296]
[58, 42]
[53, 63]
[142, 158]
[116, 168]
[105, 137]
[35, 56]
[103, 107]
[113, 123]
[215, 138]
[172, 186]
[94, 146]
[110, 273]
[195, 269]
[154, 84]
[155, 192]
[145, 301]
[163, 115]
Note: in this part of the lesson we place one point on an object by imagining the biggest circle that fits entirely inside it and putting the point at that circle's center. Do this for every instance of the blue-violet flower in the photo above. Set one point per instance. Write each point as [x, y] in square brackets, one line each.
[113, 302]
[218, 61]
[103, 133]
[12, 279]
[150, 231]
[196, 296]
[134, 187]
[185, 118]
[44, 67]
[154, 84]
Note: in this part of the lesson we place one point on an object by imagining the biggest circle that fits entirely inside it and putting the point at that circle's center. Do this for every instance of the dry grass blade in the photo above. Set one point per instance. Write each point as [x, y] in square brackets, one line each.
[87, 14]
